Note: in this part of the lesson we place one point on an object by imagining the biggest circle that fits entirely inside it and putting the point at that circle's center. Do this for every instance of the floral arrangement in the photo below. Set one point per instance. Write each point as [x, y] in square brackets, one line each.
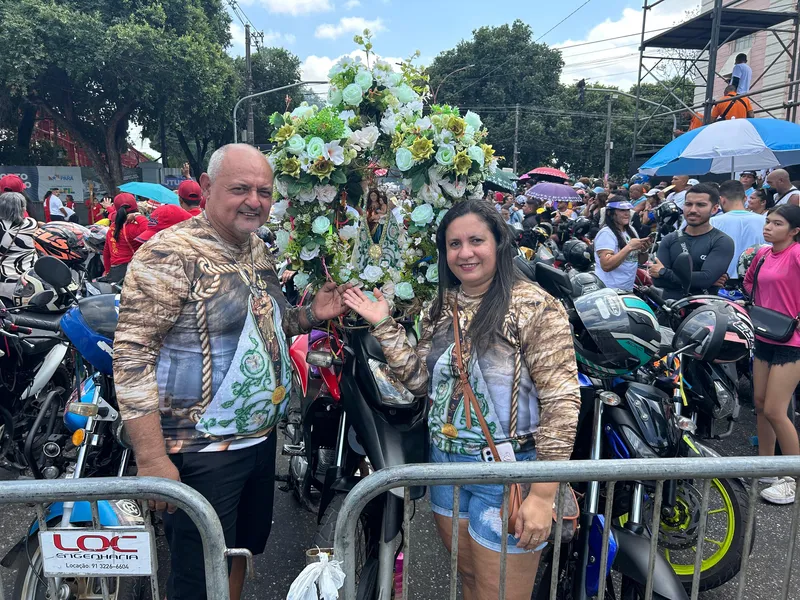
[324, 160]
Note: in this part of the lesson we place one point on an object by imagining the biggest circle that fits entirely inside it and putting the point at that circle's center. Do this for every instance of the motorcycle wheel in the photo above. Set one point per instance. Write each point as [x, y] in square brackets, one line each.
[633, 590]
[726, 520]
[368, 533]
[30, 584]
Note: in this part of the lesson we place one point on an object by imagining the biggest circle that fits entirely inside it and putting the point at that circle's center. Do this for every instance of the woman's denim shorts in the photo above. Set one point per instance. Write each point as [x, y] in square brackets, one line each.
[480, 504]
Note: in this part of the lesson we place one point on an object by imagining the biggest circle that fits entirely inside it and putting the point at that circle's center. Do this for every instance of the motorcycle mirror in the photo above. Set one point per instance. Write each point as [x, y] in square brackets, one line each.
[682, 267]
[54, 272]
[322, 359]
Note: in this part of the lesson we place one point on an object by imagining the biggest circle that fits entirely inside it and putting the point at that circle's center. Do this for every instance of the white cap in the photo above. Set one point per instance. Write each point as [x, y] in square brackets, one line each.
[652, 192]
[693, 182]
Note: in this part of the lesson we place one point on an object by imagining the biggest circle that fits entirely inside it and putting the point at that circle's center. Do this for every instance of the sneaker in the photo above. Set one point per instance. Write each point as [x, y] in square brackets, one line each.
[781, 492]
[769, 480]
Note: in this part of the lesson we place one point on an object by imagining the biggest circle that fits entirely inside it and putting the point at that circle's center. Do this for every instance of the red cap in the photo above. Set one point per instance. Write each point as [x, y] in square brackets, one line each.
[164, 217]
[12, 183]
[124, 199]
[190, 190]
[498, 197]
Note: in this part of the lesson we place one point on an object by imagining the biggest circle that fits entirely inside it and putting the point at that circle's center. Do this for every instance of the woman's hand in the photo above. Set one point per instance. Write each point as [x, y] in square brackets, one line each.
[637, 244]
[534, 520]
[372, 312]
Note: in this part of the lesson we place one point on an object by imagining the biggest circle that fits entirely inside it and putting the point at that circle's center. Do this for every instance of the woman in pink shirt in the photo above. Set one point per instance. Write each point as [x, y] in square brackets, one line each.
[776, 368]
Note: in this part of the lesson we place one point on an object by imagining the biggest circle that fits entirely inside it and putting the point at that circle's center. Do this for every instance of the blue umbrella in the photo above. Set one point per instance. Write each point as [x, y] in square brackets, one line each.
[727, 147]
[154, 191]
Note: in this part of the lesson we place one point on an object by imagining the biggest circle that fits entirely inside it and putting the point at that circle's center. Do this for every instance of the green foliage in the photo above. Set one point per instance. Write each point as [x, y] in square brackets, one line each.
[94, 66]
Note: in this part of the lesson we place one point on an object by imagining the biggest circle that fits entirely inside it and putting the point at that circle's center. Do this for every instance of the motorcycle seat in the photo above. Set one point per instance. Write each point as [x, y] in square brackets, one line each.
[39, 342]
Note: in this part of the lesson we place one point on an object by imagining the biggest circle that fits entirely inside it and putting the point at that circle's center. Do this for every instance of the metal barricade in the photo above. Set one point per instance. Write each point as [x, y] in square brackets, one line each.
[612, 471]
[215, 553]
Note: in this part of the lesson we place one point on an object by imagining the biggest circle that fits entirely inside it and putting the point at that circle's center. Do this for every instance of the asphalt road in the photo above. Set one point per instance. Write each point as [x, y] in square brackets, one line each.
[293, 529]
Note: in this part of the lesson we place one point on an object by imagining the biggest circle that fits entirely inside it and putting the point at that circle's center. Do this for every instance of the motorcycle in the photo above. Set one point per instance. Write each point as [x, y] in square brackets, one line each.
[95, 447]
[353, 417]
[623, 418]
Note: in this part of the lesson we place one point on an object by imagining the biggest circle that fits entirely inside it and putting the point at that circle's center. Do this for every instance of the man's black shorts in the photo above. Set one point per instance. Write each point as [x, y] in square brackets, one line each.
[240, 485]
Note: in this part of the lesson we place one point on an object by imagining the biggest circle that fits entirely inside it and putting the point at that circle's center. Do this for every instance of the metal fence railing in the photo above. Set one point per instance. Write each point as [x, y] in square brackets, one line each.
[40, 493]
[653, 471]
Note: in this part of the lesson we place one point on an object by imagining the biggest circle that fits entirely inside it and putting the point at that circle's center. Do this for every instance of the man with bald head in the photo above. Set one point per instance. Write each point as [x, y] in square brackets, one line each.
[680, 185]
[200, 362]
[785, 192]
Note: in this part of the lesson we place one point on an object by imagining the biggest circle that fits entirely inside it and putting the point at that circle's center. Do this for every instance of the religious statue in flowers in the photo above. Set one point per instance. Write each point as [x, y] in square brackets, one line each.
[325, 159]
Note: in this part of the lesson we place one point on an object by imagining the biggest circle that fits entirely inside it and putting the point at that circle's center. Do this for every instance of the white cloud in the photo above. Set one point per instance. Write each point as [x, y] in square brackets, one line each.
[297, 7]
[237, 39]
[616, 62]
[276, 38]
[348, 25]
[351, 4]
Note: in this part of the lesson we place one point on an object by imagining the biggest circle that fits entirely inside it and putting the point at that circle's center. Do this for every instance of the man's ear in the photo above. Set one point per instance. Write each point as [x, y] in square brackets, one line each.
[205, 185]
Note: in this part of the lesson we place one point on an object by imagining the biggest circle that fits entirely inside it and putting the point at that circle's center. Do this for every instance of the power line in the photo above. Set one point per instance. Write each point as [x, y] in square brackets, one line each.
[512, 56]
[256, 34]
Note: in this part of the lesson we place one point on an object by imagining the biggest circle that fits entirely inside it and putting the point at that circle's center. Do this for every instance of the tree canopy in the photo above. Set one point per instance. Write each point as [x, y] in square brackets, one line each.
[93, 66]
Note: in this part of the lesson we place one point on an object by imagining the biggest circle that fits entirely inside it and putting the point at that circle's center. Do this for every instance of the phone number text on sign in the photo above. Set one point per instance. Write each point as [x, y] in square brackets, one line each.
[95, 552]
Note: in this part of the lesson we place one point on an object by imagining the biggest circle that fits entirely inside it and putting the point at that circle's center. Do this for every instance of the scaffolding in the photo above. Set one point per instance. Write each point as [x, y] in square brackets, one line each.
[706, 33]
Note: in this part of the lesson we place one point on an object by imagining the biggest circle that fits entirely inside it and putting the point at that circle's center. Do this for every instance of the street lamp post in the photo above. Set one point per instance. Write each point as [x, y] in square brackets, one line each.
[436, 93]
[278, 89]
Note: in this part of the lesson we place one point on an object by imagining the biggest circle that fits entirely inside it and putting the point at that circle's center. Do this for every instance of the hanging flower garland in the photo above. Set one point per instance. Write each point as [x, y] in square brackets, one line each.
[325, 159]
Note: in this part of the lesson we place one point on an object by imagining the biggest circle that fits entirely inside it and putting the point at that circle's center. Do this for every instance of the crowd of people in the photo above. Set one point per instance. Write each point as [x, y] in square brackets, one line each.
[202, 304]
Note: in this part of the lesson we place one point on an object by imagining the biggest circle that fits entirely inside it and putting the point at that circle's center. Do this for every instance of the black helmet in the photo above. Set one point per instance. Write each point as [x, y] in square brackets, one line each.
[584, 283]
[581, 227]
[722, 330]
[615, 335]
[668, 213]
[576, 253]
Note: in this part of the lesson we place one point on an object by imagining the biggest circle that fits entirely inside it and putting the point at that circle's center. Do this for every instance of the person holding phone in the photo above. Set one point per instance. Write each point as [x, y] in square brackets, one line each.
[618, 250]
[517, 351]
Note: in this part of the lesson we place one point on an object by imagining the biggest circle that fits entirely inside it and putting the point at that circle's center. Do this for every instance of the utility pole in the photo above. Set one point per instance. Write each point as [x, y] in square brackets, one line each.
[609, 144]
[516, 136]
[250, 127]
[163, 135]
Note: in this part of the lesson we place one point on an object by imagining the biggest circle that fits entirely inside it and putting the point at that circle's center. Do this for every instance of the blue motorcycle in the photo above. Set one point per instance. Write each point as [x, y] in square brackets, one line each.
[98, 446]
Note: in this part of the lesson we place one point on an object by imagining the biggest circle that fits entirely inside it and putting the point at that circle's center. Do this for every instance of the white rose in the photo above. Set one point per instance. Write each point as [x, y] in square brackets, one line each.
[388, 122]
[372, 273]
[454, 190]
[365, 138]
[279, 209]
[424, 123]
[306, 195]
[348, 232]
[325, 193]
[281, 187]
[309, 252]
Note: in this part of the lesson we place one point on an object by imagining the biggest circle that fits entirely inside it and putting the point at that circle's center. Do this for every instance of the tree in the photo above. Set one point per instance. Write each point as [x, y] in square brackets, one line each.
[94, 66]
[507, 67]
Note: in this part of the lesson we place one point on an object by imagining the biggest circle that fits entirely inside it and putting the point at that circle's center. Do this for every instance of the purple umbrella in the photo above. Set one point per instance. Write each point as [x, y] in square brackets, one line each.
[552, 192]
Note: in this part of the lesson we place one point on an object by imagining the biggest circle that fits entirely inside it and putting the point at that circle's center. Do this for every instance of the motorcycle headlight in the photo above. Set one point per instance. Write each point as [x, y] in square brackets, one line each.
[637, 444]
[393, 393]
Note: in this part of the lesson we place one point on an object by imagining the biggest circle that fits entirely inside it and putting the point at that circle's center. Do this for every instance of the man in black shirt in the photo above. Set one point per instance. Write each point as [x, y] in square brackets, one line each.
[711, 250]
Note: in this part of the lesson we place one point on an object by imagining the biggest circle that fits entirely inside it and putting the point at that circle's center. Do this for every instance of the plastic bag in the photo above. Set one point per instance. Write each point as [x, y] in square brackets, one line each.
[327, 575]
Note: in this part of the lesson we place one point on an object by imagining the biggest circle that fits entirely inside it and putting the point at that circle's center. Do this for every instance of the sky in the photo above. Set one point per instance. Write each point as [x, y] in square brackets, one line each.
[319, 32]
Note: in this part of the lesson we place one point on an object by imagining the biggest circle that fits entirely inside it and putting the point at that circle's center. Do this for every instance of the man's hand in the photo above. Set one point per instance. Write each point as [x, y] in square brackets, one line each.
[721, 281]
[106, 203]
[186, 170]
[159, 467]
[286, 276]
[655, 268]
[329, 303]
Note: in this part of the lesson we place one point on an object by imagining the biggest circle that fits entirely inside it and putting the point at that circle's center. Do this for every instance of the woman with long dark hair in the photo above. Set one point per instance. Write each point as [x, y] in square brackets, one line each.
[618, 251]
[127, 225]
[517, 350]
[772, 280]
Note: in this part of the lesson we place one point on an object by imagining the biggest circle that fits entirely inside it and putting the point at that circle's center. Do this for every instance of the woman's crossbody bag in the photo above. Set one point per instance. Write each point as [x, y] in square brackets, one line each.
[770, 324]
[569, 502]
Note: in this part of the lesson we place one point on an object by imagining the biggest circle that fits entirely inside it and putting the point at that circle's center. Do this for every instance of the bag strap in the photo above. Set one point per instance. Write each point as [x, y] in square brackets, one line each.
[730, 106]
[755, 276]
[469, 394]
